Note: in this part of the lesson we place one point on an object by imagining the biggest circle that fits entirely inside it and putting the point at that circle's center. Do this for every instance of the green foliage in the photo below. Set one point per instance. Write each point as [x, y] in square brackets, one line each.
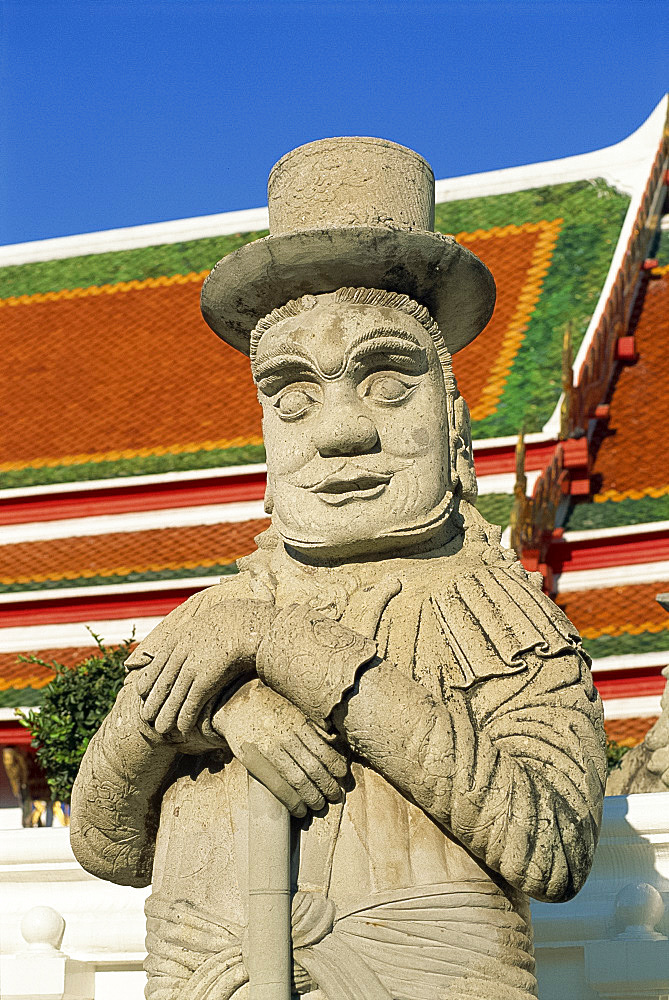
[73, 707]
[614, 754]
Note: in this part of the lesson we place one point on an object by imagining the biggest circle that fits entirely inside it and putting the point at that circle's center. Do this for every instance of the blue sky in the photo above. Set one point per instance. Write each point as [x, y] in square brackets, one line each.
[120, 112]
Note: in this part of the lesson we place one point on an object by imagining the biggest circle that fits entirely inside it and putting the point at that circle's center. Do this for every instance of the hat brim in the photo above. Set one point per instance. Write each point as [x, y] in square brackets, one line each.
[450, 281]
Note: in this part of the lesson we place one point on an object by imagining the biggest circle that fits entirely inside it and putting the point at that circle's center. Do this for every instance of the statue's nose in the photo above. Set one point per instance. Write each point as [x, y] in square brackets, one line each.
[345, 434]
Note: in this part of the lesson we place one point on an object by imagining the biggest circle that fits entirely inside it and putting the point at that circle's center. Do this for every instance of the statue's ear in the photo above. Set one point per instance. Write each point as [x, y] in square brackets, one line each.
[462, 454]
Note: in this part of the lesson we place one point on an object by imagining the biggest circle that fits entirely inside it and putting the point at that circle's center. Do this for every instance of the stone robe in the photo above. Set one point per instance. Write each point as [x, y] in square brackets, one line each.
[416, 887]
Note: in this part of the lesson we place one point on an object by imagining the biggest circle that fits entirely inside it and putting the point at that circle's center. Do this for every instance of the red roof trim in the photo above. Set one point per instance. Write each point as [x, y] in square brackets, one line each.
[130, 499]
[14, 734]
[63, 610]
[239, 488]
[621, 550]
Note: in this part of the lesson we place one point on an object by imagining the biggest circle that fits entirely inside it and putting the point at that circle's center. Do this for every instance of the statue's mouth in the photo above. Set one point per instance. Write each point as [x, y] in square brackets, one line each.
[340, 488]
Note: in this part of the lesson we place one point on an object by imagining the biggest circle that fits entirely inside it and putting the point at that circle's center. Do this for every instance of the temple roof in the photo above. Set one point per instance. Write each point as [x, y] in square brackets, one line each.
[618, 620]
[630, 472]
[618, 537]
[126, 556]
[130, 462]
[100, 394]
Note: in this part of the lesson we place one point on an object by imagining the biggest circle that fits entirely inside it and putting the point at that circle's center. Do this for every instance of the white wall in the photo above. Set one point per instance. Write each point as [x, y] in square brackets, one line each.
[594, 946]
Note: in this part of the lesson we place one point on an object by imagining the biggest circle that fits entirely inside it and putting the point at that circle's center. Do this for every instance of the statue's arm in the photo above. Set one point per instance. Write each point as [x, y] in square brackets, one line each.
[520, 786]
[513, 767]
[117, 792]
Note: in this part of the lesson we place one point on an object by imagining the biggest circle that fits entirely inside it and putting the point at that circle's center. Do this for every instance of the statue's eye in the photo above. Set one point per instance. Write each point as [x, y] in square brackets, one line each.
[388, 389]
[293, 403]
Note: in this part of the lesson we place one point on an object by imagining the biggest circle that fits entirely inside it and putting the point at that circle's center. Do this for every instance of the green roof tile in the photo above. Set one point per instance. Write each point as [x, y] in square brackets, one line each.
[119, 265]
[21, 697]
[150, 576]
[145, 466]
[616, 513]
[496, 507]
[593, 214]
[622, 645]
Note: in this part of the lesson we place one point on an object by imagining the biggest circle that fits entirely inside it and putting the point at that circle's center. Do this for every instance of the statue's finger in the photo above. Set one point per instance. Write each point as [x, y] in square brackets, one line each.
[138, 658]
[206, 718]
[257, 765]
[165, 636]
[298, 779]
[192, 707]
[328, 756]
[156, 694]
[147, 677]
[209, 684]
[314, 769]
[167, 716]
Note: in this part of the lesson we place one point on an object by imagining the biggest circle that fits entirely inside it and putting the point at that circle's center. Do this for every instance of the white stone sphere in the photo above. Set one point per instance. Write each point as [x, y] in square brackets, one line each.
[639, 904]
[43, 928]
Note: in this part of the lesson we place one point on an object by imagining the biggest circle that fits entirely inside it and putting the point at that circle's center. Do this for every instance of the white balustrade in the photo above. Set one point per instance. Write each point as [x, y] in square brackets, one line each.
[40, 969]
[102, 926]
[72, 937]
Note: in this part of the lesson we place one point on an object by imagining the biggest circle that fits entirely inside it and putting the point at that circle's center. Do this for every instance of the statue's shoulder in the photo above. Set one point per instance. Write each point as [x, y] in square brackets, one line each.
[477, 553]
[253, 579]
[490, 612]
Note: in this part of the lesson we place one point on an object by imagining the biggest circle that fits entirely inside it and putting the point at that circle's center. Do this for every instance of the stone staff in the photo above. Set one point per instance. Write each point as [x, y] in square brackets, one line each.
[269, 955]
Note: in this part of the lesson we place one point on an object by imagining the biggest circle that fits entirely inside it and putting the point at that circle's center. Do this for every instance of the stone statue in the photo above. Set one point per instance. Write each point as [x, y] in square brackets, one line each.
[380, 663]
[645, 768]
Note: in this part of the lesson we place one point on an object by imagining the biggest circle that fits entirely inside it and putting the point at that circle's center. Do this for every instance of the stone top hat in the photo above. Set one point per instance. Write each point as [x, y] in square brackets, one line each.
[350, 211]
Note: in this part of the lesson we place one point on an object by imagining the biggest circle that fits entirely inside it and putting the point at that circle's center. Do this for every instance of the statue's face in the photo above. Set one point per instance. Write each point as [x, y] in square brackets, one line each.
[354, 421]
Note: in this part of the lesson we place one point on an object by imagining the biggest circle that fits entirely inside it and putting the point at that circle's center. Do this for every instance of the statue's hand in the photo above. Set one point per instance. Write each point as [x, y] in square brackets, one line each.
[201, 738]
[313, 660]
[184, 665]
[657, 741]
[276, 744]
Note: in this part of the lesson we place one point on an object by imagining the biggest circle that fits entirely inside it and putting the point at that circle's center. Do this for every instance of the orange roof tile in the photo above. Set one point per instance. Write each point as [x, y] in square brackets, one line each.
[16, 674]
[130, 369]
[115, 373]
[128, 552]
[633, 459]
[519, 258]
[629, 732]
[614, 610]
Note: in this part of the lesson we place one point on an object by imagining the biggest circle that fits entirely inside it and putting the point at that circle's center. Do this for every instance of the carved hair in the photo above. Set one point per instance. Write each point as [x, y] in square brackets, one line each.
[292, 308]
[365, 297]
[396, 300]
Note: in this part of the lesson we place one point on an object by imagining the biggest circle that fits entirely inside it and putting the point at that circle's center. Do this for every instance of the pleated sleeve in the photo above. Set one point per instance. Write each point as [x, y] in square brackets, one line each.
[510, 759]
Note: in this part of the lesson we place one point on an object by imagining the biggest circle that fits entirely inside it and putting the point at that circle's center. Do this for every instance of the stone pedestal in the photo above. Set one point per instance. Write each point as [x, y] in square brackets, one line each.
[42, 969]
[635, 964]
